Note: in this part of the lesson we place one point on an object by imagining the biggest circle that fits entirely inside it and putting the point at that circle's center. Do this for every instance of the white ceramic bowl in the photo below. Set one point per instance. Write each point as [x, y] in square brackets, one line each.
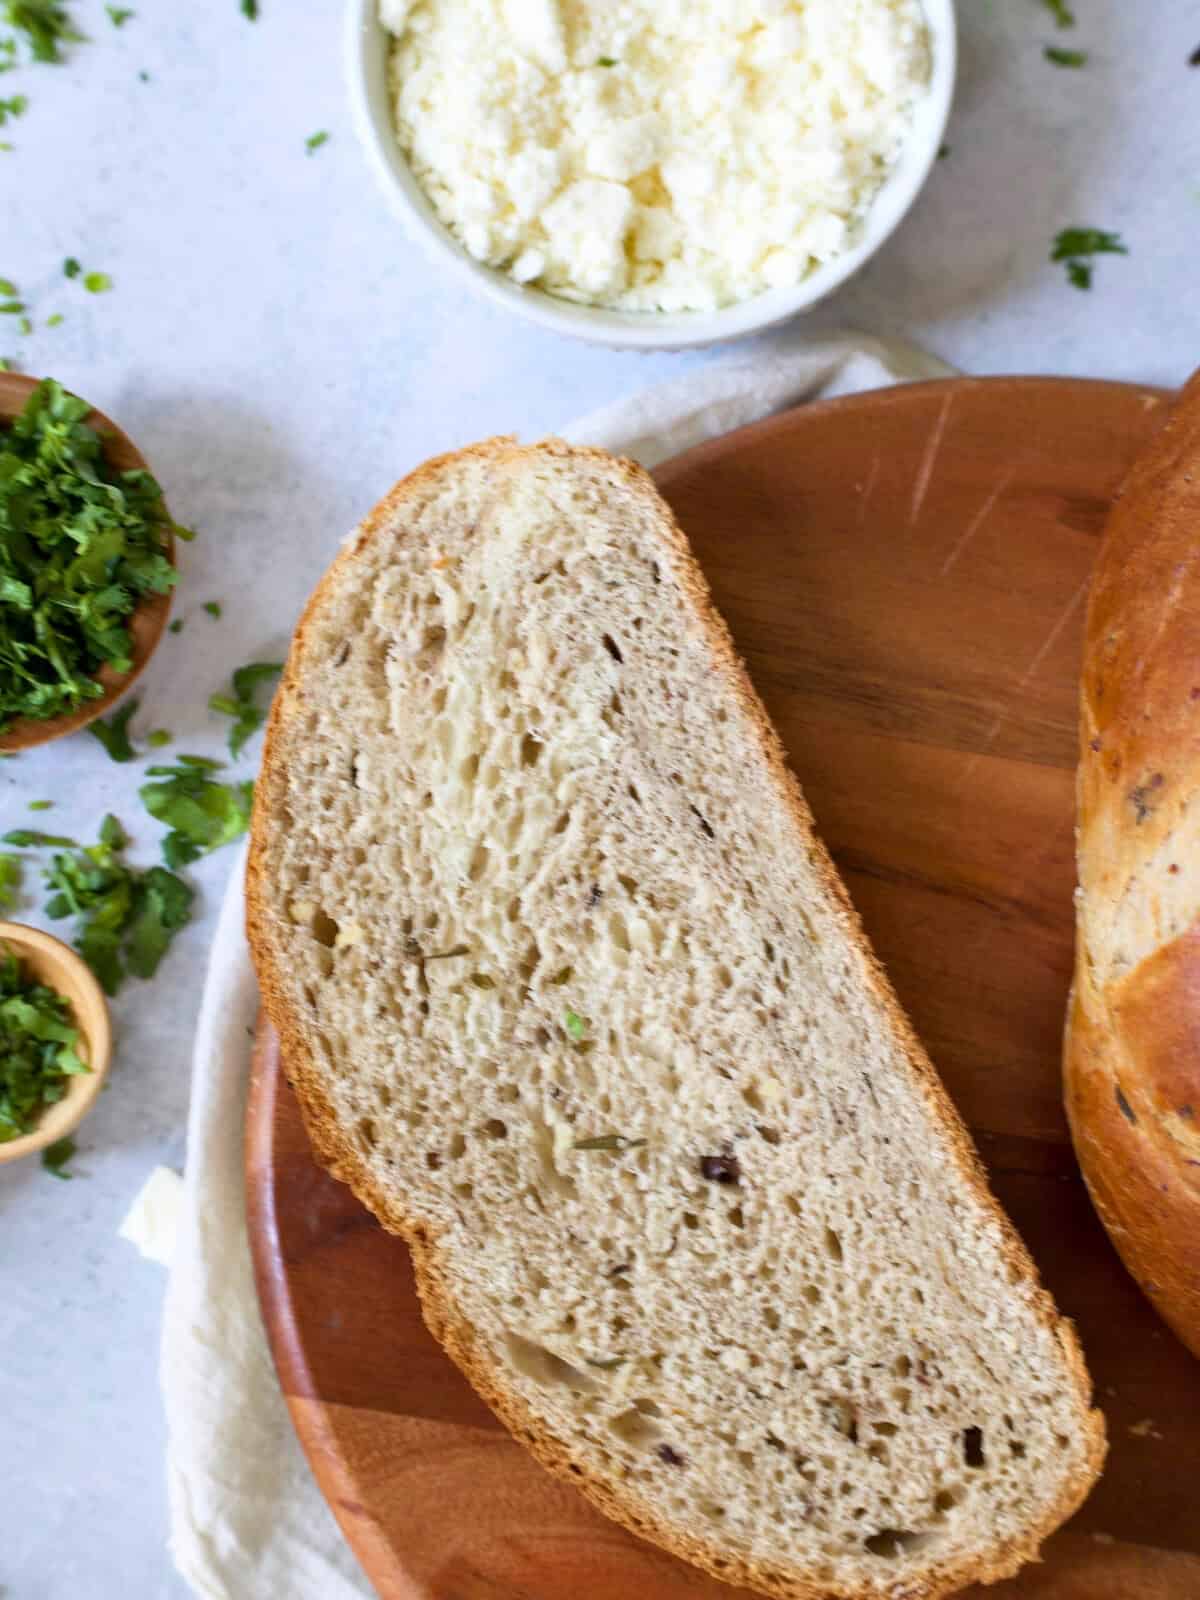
[367, 58]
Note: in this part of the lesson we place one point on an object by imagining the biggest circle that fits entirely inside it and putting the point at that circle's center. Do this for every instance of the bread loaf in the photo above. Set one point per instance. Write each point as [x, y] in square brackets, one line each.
[1133, 1036]
[573, 998]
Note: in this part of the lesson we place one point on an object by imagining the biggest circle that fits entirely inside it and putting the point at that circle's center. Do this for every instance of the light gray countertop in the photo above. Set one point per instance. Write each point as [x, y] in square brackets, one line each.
[282, 354]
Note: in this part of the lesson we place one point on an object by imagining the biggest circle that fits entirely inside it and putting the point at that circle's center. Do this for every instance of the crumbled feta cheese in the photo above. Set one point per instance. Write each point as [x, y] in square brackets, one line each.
[655, 154]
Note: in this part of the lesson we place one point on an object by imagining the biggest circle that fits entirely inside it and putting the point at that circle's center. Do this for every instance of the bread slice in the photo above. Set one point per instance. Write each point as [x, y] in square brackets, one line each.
[574, 1000]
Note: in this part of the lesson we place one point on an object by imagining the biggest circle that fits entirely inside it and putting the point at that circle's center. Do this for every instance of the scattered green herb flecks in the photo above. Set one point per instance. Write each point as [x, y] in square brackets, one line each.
[114, 735]
[1074, 246]
[607, 61]
[250, 9]
[11, 308]
[56, 321]
[25, 326]
[38, 1055]
[213, 607]
[80, 544]
[41, 805]
[614, 1142]
[240, 705]
[97, 282]
[71, 268]
[44, 25]
[128, 917]
[15, 106]
[30, 838]
[575, 1025]
[176, 626]
[10, 880]
[315, 141]
[55, 1157]
[1065, 58]
[201, 813]
[119, 15]
[1061, 12]
[158, 738]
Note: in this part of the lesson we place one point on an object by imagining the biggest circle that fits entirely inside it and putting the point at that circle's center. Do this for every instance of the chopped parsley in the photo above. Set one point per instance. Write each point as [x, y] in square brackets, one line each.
[56, 321]
[128, 918]
[119, 15]
[10, 880]
[11, 308]
[158, 738]
[176, 626]
[44, 25]
[240, 705]
[315, 141]
[213, 607]
[1065, 58]
[575, 1025]
[71, 268]
[41, 805]
[80, 545]
[1074, 247]
[97, 282]
[1061, 12]
[607, 61]
[250, 9]
[38, 1054]
[55, 1157]
[201, 813]
[15, 106]
[114, 734]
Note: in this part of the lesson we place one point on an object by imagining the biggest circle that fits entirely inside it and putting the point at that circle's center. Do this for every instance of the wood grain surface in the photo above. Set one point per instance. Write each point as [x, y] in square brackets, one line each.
[905, 574]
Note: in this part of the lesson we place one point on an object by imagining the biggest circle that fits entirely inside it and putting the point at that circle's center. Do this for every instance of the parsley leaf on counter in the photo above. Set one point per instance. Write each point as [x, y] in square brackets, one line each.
[97, 282]
[250, 9]
[15, 106]
[71, 268]
[55, 1157]
[315, 141]
[23, 838]
[240, 705]
[1074, 245]
[41, 805]
[37, 1048]
[45, 25]
[1061, 12]
[158, 738]
[213, 607]
[176, 626]
[201, 813]
[129, 917]
[119, 15]
[80, 544]
[114, 735]
[10, 880]
[1065, 58]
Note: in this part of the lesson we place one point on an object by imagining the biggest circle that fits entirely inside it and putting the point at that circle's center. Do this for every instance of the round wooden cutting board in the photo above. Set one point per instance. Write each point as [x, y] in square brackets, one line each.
[905, 573]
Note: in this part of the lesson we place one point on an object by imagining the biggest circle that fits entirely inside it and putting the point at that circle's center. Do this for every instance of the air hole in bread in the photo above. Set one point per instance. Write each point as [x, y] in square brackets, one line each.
[543, 1367]
[892, 1543]
[633, 1427]
[324, 928]
[972, 1441]
[946, 1499]
[833, 1245]
[1017, 1448]
[495, 1129]
[531, 750]
[610, 644]
[481, 981]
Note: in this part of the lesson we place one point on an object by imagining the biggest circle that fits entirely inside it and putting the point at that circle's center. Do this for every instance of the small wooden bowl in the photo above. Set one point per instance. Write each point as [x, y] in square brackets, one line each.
[146, 623]
[51, 962]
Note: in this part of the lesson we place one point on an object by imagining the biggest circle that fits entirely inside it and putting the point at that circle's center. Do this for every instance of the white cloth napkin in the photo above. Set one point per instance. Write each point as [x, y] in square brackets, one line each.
[247, 1520]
